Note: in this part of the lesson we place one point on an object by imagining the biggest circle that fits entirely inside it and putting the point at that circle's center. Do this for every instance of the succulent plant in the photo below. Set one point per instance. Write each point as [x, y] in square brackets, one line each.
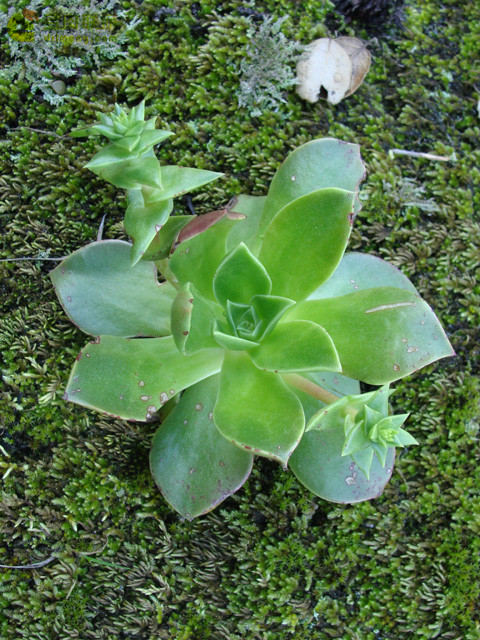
[129, 162]
[256, 341]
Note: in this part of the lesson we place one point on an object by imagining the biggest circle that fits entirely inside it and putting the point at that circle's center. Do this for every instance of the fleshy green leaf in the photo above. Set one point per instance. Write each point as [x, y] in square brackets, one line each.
[305, 242]
[296, 346]
[319, 164]
[99, 130]
[358, 271]
[355, 436]
[192, 320]
[111, 154]
[243, 320]
[102, 294]
[247, 230]
[161, 245]
[364, 459]
[270, 309]
[229, 341]
[178, 180]
[405, 439]
[197, 259]
[378, 399]
[138, 113]
[318, 464]
[131, 379]
[381, 334]
[239, 277]
[255, 409]
[142, 223]
[149, 138]
[194, 466]
[129, 173]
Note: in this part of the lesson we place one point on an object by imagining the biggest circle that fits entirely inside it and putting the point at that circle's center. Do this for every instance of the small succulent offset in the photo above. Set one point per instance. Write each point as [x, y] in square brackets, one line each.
[256, 341]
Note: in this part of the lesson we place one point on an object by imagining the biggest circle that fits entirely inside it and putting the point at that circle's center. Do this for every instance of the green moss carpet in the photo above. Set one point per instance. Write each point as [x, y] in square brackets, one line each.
[273, 562]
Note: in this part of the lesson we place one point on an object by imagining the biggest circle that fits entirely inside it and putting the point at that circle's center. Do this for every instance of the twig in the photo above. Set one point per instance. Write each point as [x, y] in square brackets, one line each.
[100, 229]
[420, 154]
[47, 133]
[35, 565]
[71, 589]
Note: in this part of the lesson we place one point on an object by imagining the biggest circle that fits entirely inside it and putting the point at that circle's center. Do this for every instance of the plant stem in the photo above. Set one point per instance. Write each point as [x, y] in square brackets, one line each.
[314, 390]
[162, 266]
[307, 386]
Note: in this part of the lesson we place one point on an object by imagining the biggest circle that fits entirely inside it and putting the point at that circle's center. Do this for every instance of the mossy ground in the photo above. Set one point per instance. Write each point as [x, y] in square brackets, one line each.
[273, 562]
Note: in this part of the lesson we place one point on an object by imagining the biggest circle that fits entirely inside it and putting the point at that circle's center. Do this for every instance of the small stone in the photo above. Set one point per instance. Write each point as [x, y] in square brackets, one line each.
[59, 87]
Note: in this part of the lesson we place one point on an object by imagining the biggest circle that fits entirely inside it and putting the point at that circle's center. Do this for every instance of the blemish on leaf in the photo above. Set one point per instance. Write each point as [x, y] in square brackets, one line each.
[69, 298]
[158, 227]
[145, 398]
[199, 406]
[404, 340]
[412, 349]
[210, 415]
[185, 333]
[172, 392]
[163, 397]
[396, 367]
[351, 218]
[185, 422]
[222, 464]
[150, 411]
[395, 305]
[141, 383]
[293, 178]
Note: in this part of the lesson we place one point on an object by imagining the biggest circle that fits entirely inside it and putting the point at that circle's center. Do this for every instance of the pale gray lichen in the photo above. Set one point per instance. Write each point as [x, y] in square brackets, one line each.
[267, 69]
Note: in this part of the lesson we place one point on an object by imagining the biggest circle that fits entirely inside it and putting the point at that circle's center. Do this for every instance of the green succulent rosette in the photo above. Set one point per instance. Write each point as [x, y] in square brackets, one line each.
[129, 162]
[351, 444]
[266, 323]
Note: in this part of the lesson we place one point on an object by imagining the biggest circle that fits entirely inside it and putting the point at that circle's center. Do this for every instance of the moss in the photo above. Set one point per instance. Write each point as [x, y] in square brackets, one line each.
[273, 562]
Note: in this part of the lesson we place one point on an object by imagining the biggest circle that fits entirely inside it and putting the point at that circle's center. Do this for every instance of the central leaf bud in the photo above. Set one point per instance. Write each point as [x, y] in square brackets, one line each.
[243, 320]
